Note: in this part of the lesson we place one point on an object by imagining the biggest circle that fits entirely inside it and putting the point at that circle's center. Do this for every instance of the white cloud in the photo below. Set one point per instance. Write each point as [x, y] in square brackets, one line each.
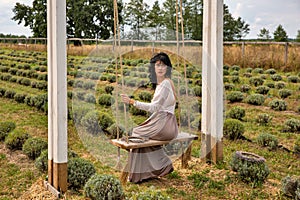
[7, 25]
[268, 14]
[237, 11]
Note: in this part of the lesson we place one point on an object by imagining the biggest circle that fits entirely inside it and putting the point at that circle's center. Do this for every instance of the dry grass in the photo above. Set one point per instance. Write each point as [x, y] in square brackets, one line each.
[254, 55]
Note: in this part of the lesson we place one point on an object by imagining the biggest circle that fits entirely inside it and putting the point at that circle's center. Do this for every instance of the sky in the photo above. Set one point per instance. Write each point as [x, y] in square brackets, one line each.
[257, 13]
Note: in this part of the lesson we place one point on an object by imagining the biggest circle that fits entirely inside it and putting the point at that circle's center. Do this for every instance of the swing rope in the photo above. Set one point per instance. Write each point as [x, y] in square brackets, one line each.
[184, 63]
[177, 57]
[177, 64]
[117, 42]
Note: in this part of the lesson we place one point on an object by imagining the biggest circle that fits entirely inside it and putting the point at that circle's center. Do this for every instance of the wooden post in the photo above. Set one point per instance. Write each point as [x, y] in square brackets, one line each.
[57, 94]
[286, 53]
[212, 81]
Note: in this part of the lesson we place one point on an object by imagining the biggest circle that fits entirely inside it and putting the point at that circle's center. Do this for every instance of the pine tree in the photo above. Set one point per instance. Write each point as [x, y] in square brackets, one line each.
[264, 34]
[280, 34]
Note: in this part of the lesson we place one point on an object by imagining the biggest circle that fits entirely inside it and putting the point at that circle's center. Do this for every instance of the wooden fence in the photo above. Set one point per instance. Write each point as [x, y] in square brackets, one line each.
[285, 55]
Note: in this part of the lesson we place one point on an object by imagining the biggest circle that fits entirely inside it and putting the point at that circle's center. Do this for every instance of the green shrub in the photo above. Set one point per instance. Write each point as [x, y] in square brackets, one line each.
[9, 94]
[33, 147]
[256, 81]
[270, 84]
[198, 91]
[263, 76]
[267, 140]
[79, 172]
[225, 67]
[235, 96]
[145, 96]
[234, 74]
[290, 187]
[255, 99]
[262, 89]
[270, 71]
[293, 79]
[41, 102]
[228, 86]
[13, 79]
[113, 131]
[247, 75]
[292, 125]
[258, 70]
[249, 69]
[278, 105]
[226, 80]
[2, 92]
[70, 94]
[70, 82]
[235, 79]
[105, 120]
[89, 85]
[233, 129]
[263, 119]
[150, 193]
[78, 112]
[41, 162]
[20, 98]
[5, 128]
[80, 95]
[225, 72]
[234, 68]
[103, 187]
[276, 77]
[43, 69]
[245, 88]
[236, 112]
[41, 85]
[94, 76]
[284, 93]
[185, 118]
[90, 98]
[250, 168]
[106, 99]
[297, 145]
[16, 139]
[26, 82]
[42, 77]
[109, 89]
[111, 78]
[28, 101]
[279, 85]
[135, 111]
[91, 122]
[78, 84]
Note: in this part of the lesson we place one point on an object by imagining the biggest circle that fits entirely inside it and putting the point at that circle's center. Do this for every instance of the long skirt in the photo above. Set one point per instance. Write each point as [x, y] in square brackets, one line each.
[152, 162]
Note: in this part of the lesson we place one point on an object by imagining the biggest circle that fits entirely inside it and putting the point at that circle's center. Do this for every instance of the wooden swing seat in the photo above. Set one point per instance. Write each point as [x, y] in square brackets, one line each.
[181, 137]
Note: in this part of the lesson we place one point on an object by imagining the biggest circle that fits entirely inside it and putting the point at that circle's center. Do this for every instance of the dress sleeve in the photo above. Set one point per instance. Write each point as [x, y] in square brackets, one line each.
[159, 98]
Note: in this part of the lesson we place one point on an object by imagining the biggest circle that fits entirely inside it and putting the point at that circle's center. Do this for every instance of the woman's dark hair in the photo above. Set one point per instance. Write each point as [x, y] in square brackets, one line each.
[163, 57]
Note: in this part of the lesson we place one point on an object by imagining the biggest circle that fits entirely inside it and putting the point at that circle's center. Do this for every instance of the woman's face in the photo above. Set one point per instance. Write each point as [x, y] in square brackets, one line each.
[160, 69]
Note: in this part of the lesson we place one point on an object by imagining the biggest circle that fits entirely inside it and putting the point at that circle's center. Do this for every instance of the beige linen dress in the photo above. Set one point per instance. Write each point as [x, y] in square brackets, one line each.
[151, 162]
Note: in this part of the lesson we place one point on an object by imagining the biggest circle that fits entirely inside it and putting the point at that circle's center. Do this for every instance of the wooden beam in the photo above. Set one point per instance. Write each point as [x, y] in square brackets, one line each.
[57, 94]
[212, 80]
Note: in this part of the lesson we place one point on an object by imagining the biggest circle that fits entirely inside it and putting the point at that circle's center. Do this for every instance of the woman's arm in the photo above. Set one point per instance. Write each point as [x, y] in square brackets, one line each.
[159, 98]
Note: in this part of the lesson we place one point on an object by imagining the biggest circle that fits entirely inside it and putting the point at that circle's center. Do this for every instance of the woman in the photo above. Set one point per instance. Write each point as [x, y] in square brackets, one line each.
[152, 162]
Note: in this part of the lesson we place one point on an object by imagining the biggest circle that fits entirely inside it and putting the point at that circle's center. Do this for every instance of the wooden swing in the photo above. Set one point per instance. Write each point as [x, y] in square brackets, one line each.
[134, 143]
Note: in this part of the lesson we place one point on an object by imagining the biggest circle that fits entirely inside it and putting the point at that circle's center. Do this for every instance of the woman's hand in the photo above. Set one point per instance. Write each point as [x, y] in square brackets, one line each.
[125, 98]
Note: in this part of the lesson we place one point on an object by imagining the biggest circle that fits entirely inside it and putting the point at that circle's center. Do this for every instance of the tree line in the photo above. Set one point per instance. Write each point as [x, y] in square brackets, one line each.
[137, 20]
